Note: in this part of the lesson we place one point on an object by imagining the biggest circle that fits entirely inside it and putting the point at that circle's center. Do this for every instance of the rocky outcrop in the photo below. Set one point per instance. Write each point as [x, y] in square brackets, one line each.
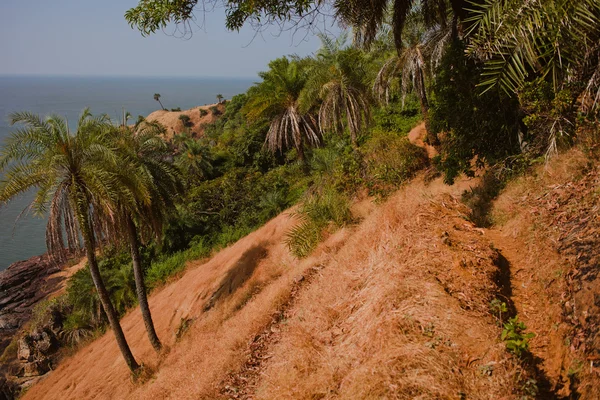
[22, 285]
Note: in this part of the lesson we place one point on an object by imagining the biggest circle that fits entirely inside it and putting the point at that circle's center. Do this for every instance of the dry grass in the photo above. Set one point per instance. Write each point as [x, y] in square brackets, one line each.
[390, 318]
[397, 309]
[170, 120]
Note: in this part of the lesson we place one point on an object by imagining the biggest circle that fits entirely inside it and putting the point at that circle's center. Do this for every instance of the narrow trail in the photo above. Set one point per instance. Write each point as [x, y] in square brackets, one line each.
[242, 383]
[417, 136]
[525, 294]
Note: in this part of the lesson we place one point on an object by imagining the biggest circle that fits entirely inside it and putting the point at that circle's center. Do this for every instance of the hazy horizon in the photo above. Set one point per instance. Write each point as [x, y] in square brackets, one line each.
[75, 38]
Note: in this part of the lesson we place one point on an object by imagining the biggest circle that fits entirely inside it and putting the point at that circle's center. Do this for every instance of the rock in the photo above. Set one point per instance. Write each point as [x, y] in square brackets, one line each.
[25, 352]
[22, 284]
[35, 368]
[9, 389]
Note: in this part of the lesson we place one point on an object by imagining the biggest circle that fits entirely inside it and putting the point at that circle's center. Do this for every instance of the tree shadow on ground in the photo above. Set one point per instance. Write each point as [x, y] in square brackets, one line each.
[241, 271]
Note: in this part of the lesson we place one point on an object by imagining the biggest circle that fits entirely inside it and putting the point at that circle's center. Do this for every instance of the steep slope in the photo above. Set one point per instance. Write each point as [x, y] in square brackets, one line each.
[397, 306]
[548, 228]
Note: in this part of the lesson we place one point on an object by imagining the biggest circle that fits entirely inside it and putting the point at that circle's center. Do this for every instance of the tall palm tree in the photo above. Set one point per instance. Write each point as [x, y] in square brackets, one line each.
[277, 98]
[157, 98]
[146, 151]
[337, 77]
[76, 182]
[421, 52]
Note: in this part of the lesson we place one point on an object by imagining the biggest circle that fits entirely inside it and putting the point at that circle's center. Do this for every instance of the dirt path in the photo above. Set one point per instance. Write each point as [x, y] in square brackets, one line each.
[241, 384]
[529, 290]
[417, 137]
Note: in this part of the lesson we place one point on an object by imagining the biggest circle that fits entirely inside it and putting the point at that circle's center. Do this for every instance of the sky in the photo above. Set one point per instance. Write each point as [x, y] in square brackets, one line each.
[91, 37]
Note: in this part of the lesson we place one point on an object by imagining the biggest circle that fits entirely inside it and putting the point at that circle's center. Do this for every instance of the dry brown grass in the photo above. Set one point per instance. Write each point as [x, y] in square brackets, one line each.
[397, 309]
[388, 318]
[170, 120]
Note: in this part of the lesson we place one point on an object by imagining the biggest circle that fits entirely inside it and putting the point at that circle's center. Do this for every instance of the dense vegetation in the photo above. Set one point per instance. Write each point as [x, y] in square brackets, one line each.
[316, 130]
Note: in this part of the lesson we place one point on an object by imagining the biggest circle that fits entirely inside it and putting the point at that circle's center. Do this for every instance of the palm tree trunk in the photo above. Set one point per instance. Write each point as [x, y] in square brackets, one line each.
[161, 106]
[140, 286]
[113, 319]
[422, 92]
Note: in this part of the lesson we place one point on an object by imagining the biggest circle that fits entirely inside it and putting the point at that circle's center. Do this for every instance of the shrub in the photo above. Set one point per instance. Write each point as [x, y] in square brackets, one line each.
[215, 111]
[517, 342]
[203, 113]
[185, 120]
[391, 160]
[472, 126]
[315, 214]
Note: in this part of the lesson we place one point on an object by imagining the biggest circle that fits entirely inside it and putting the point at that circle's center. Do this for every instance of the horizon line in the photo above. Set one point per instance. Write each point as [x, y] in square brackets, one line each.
[28, 75]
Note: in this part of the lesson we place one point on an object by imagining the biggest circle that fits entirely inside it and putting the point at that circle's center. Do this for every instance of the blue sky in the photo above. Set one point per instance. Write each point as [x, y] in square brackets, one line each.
[91, 37]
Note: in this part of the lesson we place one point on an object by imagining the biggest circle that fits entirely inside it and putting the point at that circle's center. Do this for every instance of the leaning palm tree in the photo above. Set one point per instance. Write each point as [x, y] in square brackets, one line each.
[76, 182]
[337, 78]
[277, 98]
[157, 98]
[147, 152]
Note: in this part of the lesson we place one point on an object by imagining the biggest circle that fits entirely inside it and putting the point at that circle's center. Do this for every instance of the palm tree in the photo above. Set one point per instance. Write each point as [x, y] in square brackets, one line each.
[220, 98]
[194, 160]
[367, 16]
[421, 52]
[75, 180]
[148, 153]
[157, 98]
[277, 98]
[337, 77]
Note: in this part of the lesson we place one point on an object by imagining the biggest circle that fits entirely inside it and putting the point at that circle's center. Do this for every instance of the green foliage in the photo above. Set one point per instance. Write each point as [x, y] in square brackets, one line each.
[176, 109]
[517, 342]
[185, 120]
[203, 112]
[315, 214]
[390, 161]
[476, 129]
[524, 40]
[396, 119]
[215, 111]
[498, 307]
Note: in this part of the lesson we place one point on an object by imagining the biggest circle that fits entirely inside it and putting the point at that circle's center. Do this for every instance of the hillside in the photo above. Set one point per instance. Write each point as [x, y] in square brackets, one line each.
[199, 117]
[396, 306]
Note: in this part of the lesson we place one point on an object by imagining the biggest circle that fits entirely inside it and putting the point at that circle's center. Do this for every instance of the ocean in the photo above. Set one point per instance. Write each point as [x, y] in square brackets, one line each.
[68, 96]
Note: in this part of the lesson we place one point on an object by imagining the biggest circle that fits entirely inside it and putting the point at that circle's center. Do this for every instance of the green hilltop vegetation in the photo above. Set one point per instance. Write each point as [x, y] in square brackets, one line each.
[499, 84]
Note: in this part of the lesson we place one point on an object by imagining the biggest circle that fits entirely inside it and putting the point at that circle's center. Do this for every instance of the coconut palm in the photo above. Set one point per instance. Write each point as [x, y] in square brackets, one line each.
[76, 182]
[220, 98]
[337, 77]
[277, 98]
[157, 98]
[148, 154]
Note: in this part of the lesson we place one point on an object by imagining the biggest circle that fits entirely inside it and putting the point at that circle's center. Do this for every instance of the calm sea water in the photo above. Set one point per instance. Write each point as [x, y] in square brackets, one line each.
[68, 96]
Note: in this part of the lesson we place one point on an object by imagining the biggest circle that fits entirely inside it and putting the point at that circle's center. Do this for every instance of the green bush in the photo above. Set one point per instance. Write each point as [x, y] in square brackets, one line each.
[472, 126]
[517, 342]
[315, 214]
[391, 161]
